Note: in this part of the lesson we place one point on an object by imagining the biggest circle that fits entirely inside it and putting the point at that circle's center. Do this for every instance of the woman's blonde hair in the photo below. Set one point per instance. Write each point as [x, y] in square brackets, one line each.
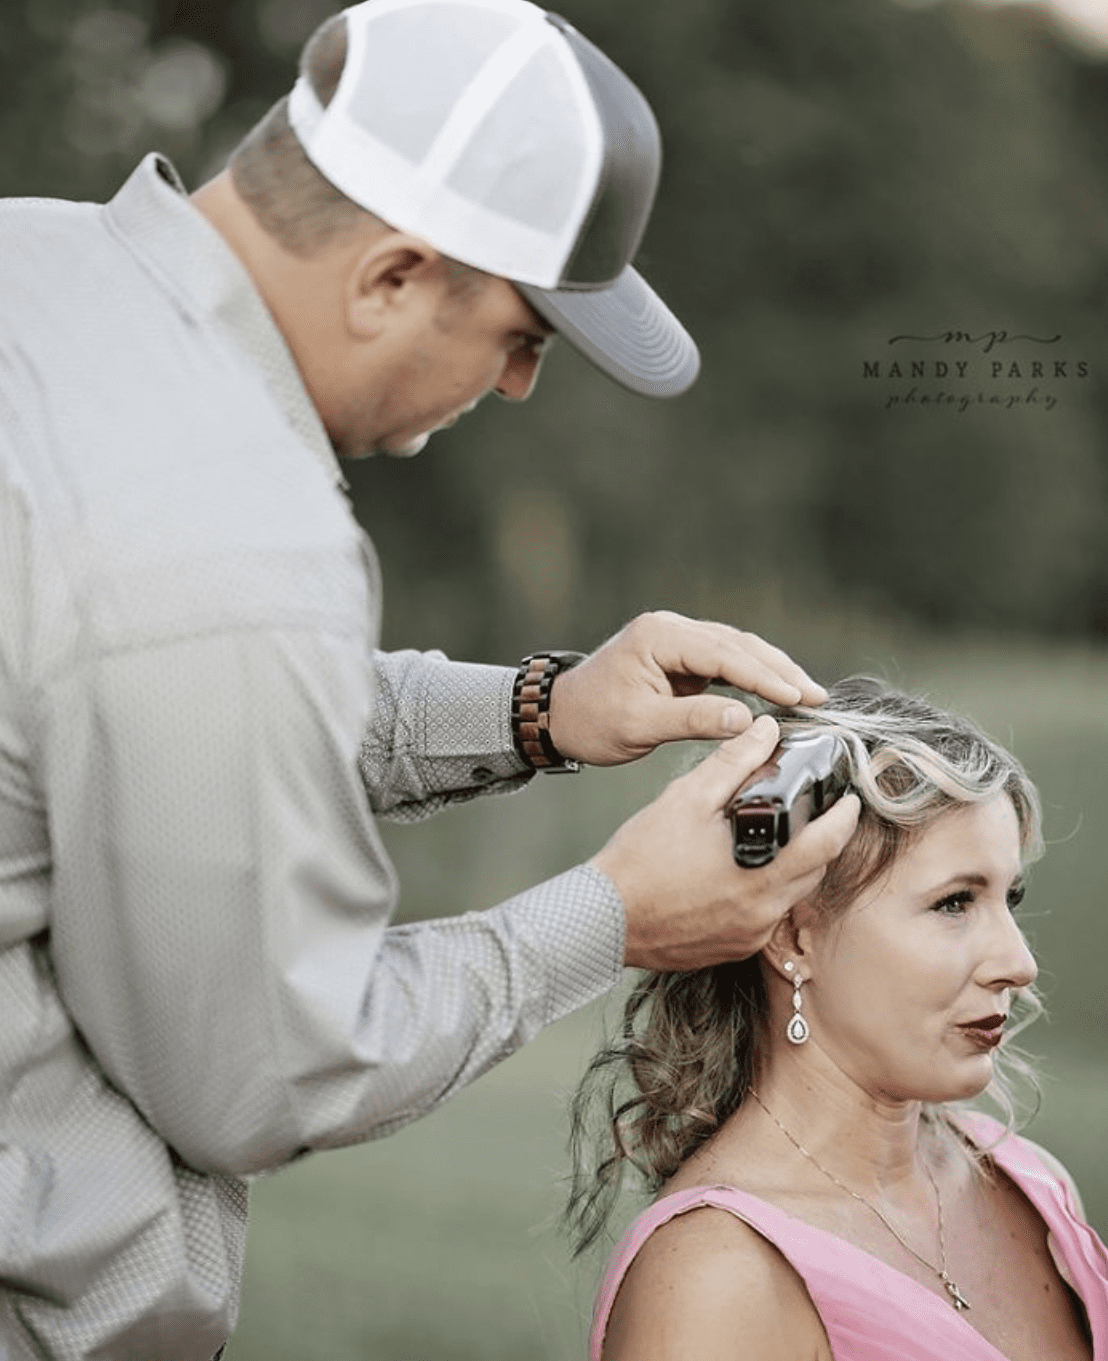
[690, 1042]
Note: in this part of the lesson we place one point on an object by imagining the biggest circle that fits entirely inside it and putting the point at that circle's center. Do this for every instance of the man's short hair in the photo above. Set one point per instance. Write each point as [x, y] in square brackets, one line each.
[291, 200]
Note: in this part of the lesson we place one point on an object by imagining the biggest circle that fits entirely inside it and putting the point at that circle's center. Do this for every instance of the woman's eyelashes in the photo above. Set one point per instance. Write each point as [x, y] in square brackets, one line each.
[955, 904]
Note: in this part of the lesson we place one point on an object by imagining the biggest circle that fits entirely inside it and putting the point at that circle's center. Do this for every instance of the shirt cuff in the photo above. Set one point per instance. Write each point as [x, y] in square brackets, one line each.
[440, 733]
[467, 714]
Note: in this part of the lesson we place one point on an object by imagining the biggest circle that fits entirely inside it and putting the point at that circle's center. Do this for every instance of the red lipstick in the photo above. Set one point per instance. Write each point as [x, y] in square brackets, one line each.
[986, 1032]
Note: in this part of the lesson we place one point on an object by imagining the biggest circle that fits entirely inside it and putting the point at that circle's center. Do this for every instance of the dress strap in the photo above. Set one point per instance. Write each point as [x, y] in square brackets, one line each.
[1079, 1254]
[869, 1310]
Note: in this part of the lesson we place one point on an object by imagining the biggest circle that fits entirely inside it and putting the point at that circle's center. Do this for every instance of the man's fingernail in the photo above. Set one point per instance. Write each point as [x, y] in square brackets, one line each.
[735, 719]
[765, 726]
[820, 690]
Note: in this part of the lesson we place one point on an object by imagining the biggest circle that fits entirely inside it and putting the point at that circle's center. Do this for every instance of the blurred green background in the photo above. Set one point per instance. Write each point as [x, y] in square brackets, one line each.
[850, 185]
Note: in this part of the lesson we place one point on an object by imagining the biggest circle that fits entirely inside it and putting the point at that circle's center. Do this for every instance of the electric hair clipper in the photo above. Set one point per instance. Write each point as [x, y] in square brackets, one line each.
[802, 779]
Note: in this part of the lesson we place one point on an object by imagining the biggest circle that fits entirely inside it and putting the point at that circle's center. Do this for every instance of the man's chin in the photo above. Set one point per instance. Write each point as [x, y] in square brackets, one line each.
[390, 448]
[404, 448]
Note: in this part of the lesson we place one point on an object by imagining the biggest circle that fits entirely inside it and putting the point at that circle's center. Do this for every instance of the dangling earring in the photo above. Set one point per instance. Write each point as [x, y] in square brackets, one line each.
[797, 1030]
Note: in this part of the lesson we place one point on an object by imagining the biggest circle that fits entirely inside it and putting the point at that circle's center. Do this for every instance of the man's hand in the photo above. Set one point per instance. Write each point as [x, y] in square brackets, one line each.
[688, 904]
[645, 686]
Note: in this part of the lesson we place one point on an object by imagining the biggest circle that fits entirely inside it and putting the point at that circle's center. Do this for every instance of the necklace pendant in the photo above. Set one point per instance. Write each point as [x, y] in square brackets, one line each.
[958, 1300]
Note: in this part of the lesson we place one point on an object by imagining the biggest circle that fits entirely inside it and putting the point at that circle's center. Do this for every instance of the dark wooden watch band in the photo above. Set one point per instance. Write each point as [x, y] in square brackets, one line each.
[531, 710]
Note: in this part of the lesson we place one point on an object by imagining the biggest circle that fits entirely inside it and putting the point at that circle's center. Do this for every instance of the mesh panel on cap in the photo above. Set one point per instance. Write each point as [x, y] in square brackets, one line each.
[515, 164]
[406, 109]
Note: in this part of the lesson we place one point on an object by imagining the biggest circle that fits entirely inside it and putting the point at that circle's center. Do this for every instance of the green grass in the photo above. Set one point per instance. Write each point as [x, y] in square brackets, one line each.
[439, 1243]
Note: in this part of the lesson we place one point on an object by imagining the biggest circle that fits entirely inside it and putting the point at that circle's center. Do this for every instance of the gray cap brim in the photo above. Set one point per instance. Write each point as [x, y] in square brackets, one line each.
[627, 331]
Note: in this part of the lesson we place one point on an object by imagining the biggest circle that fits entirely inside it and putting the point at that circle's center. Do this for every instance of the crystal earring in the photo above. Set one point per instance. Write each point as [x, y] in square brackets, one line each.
[797, 1030]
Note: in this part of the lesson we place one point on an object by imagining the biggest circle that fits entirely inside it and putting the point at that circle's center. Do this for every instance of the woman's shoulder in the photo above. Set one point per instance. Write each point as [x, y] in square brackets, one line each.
[703, 1277]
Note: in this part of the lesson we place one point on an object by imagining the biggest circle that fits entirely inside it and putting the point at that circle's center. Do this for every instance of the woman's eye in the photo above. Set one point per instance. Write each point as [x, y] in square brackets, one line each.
[954, 905]
[1016, 895]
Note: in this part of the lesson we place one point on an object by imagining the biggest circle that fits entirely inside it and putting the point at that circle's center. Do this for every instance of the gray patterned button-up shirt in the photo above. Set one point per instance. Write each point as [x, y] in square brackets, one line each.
[197, 981]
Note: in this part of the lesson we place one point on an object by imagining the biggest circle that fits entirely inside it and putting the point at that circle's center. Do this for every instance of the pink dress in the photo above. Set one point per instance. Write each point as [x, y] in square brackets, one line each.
[871, 1311]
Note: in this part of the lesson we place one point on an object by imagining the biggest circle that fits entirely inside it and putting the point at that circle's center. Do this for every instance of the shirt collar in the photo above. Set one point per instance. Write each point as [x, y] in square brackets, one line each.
[157, 222]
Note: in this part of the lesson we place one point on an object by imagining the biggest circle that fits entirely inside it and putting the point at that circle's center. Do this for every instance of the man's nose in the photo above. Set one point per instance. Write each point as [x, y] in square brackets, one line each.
[521, 369]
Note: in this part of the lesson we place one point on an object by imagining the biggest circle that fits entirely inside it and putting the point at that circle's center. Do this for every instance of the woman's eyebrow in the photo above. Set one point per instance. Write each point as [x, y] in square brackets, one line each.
[972, 880]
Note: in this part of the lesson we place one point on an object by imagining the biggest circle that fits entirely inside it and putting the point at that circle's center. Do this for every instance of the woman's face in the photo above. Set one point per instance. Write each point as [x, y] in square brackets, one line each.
[906, 991]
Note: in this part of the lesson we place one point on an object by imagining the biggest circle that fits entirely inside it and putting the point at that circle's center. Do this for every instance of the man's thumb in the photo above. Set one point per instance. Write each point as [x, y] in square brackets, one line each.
[733, 762]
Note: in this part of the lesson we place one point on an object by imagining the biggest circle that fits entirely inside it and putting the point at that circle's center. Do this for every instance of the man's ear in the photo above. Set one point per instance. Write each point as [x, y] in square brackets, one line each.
[393, 275]
[790, 943]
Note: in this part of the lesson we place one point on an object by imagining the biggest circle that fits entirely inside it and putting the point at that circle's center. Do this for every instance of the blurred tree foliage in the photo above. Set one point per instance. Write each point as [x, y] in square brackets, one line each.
[836, 175]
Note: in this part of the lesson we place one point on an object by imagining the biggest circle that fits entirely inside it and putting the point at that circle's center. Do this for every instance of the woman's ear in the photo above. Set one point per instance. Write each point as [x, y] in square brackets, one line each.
[788, 949]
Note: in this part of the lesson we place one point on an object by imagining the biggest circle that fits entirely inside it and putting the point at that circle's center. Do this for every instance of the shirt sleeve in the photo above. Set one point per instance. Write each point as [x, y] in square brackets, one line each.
[440, 733]
[221, 899]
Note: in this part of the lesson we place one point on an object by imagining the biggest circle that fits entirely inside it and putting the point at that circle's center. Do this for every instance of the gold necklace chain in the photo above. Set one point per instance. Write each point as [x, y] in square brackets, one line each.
[957, 1299]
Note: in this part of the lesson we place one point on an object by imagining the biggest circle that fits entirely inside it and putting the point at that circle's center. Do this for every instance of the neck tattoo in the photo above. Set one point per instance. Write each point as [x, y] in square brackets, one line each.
[957, 1299]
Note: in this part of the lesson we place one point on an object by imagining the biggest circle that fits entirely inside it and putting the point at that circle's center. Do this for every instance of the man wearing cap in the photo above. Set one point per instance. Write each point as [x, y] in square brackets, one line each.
[197, 979]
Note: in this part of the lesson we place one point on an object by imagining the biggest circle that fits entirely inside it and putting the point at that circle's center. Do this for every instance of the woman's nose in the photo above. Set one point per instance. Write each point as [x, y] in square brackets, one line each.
[1011, 963]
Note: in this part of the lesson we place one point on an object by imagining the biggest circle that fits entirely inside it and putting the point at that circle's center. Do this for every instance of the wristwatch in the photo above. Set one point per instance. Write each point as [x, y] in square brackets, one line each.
[531, 710]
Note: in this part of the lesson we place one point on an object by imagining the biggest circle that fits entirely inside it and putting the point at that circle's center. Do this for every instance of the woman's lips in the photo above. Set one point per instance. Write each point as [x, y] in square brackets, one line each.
[987, 1032]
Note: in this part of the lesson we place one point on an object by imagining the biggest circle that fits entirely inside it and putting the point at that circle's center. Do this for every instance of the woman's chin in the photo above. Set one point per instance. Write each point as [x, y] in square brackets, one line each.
[971, 1078]
[960, 1081]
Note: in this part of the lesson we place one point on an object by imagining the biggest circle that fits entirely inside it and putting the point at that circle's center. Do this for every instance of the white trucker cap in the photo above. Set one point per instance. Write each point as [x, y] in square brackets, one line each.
[503, 138]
